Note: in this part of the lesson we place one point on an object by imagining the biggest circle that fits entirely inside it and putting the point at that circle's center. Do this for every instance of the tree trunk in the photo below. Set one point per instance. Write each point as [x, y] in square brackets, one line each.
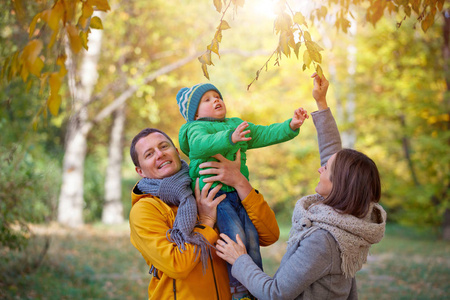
[71, 202]
[113, 209]
[446, 54]
[345, 104]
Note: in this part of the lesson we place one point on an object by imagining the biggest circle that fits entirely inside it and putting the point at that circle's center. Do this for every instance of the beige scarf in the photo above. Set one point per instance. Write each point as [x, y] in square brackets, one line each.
[353, 235]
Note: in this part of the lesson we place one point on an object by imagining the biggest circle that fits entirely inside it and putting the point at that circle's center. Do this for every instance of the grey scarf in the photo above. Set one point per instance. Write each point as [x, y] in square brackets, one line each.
[176, 190]
[353, 235]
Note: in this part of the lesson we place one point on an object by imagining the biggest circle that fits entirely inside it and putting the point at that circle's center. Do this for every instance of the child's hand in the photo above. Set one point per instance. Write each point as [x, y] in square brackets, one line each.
[299, 117]
[240, 132]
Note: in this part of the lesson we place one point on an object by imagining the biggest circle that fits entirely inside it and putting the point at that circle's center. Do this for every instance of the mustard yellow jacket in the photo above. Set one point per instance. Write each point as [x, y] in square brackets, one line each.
[181, 273]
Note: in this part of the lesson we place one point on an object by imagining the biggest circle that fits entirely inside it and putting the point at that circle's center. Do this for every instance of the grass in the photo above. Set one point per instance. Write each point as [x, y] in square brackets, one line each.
[99, 262]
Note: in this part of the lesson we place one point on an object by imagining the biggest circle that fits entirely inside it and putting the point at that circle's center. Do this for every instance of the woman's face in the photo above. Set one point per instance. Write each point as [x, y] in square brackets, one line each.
[325, 185]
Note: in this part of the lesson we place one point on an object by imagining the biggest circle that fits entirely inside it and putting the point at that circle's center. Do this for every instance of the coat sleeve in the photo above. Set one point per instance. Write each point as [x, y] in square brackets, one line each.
[310, 261]
[149, 223]
[262, 217]
[327, 134]
[203, 144]
[263, 136]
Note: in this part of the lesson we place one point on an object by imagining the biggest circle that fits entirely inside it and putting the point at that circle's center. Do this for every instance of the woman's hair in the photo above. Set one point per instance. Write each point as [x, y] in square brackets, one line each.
[144, 132]
[356, 183]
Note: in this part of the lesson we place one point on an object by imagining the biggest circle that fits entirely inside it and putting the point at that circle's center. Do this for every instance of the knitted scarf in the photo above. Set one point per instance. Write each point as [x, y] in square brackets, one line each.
[353, 235]
[176, 190]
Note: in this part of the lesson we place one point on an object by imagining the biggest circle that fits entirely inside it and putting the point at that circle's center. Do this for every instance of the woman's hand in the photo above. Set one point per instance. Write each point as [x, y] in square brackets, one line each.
[228, 172]
[206, 204]
[320, 91]
[228, 250]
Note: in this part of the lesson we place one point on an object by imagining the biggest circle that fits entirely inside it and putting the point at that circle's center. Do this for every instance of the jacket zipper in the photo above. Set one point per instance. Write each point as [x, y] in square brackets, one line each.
[214, 275]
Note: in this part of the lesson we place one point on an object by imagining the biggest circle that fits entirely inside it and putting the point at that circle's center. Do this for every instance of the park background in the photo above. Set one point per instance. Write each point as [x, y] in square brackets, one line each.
[66, 176]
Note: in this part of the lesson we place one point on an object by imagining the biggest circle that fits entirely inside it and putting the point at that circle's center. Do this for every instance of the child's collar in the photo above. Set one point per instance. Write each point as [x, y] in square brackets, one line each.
[211, 119]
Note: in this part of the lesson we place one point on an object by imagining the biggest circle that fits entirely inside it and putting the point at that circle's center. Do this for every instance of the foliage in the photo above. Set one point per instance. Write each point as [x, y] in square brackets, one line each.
[401, 120]
[288, 22]
[71, 20]
[27, 195]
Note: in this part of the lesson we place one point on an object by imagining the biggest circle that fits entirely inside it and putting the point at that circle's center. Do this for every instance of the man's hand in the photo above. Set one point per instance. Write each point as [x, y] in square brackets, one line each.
[299, 117]
[206, 204]
[240, 132]
[228, 172]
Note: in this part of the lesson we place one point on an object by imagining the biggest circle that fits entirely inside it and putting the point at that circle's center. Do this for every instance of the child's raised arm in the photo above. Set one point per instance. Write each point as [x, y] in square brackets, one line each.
[299, 117]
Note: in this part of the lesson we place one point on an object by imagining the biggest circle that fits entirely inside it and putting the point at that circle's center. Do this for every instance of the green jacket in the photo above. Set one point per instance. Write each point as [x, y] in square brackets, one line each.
[202, 139]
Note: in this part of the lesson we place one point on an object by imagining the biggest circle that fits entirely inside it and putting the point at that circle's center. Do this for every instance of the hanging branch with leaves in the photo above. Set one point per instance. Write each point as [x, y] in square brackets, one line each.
[65, 20]
[292, 27]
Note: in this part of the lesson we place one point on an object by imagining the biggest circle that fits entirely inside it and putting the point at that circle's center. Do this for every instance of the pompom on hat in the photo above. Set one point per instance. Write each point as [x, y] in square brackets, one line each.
[188, 99]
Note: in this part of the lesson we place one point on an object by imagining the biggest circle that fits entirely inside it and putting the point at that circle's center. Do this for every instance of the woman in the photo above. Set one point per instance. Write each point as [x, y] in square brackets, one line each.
[331, 232]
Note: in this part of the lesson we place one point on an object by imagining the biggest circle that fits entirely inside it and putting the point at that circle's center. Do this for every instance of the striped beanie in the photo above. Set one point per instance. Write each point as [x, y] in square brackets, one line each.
[188, 99]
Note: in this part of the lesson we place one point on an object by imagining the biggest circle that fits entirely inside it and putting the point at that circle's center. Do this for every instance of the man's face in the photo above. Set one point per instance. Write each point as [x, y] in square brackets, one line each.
[158, 158]
[211, 105]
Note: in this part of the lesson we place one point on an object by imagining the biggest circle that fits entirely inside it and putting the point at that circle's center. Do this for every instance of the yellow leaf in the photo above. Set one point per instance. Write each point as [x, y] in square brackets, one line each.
[87, 10]
[99, 4]
[75, 41]
[54, 100]
[96, 23]
[33, 24]
[205, 71]
[52, 39]
[313, 46]
[440, 4]
[284, 44]
[37, 66]
[218, 5]
[218, 35]
[224, 25]
[84, 39]
[83, 22]
[427, 22]
[299, 18]
[319, 71]
[24, 73]
[306, 58]
[206, 58]
[306, 36]
[408, 10]
[55, 16]
[31, 51]
[214, 47]
[315, 56]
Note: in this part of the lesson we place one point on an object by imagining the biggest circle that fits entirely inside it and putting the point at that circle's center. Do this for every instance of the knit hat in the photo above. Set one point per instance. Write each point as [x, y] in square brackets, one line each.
[188, 99]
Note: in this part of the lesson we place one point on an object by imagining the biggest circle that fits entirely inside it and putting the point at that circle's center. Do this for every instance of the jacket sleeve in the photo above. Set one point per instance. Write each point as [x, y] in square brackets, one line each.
[263, 136]
[262, 217]
[310, 261]
[327, 133]
[203, 144]
[149, 224]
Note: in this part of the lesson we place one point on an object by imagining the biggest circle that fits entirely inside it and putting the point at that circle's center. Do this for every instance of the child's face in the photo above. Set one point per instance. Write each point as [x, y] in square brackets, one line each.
[211, 106]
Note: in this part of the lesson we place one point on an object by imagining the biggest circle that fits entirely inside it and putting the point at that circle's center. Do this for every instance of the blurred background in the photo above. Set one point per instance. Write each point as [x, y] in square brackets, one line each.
[66, 180]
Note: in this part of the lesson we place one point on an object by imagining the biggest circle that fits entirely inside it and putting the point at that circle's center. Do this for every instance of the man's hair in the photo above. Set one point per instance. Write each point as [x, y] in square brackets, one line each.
[356, 183]
[145, 132]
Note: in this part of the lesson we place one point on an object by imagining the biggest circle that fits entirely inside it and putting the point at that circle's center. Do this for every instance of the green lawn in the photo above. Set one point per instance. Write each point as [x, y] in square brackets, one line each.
[98, 262]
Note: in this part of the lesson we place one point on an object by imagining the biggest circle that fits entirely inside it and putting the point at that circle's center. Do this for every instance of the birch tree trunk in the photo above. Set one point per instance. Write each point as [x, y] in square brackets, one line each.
[446, 54]
[113, 209]
[71, 202]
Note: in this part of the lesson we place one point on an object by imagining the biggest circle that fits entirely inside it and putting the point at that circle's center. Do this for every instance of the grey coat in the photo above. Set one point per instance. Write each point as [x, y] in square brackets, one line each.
[312, 269]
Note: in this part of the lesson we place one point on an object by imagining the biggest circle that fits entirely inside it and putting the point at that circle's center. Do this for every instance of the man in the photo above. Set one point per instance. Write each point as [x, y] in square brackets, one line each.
[179, 273]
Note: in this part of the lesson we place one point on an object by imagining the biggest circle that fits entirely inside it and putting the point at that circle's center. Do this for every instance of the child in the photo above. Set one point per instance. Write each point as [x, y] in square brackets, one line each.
[208, 132]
